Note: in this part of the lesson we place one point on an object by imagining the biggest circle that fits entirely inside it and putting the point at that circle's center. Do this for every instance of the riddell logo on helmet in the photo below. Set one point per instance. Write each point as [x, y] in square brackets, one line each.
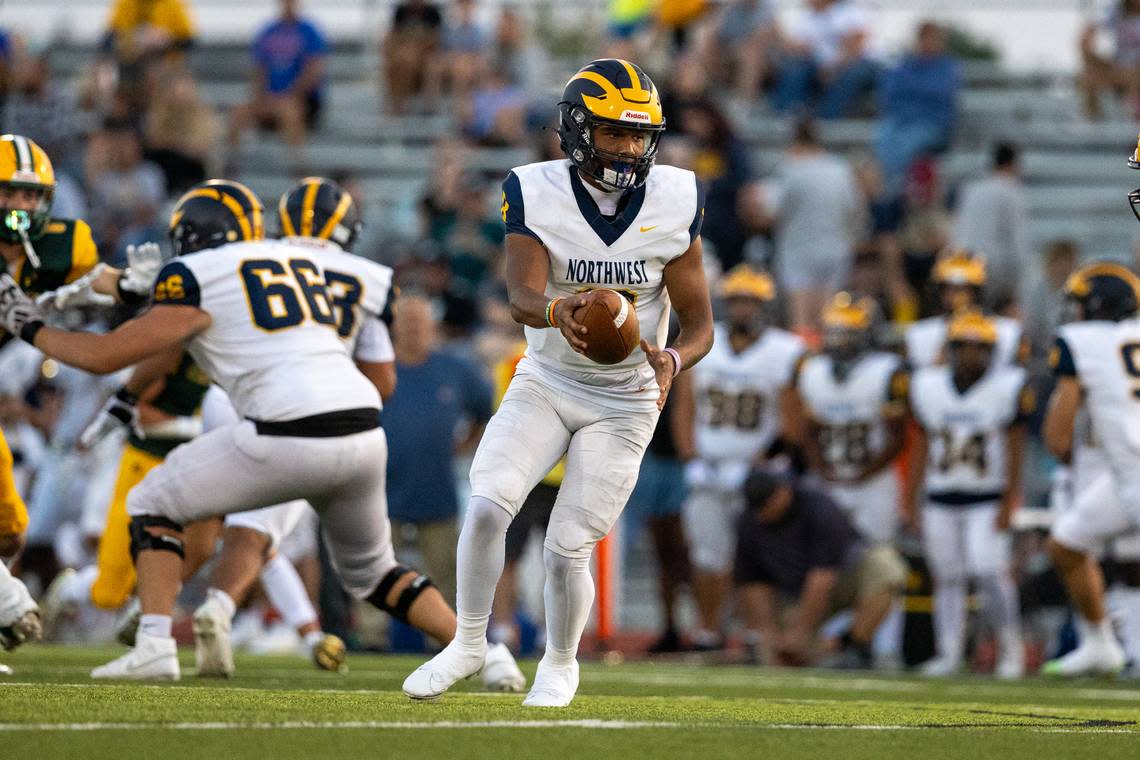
[635, 116]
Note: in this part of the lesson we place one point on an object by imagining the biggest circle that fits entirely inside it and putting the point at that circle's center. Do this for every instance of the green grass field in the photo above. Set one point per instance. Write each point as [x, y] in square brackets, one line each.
[279, 707]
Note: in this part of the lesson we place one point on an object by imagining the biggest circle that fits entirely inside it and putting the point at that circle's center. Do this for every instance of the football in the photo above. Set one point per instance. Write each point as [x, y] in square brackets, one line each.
[611, 324]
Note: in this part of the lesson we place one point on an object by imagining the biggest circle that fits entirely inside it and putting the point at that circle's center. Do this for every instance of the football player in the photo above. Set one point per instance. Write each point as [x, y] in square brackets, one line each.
[604, 217]
[967, 462]
[854, 403]
[959, 277]
[733, 406]
[258, 318]
[1096, 360]
[46, 254]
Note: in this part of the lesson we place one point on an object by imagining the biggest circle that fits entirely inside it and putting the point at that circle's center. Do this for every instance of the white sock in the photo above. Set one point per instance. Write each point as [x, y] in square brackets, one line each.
[1125, 605]
[569, 594]
[1001, 600]
[286, 592]
[888, 638]
[78, 590]
[950, 618]
[224, 599]
[155, 625]
[504, 633]
[479, 563]
[1095, 634]
[312, 638]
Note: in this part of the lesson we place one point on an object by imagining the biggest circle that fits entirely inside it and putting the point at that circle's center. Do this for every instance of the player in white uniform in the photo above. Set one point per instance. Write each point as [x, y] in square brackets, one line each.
[733, 406]
[257, 317]
[959, 277]
[854, 401]
[1097, 363]
[600, 219]
[967, 461]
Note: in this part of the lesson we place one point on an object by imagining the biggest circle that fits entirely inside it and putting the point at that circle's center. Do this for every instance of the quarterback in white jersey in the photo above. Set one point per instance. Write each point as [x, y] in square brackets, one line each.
[854, 404]
[959, 277]
[1097, 363]
[732, 406]
[601, 219]
[967, 462]
[257, 317]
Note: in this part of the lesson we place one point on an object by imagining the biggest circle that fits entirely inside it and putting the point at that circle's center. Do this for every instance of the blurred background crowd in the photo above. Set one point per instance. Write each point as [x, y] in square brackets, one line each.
[830, 160]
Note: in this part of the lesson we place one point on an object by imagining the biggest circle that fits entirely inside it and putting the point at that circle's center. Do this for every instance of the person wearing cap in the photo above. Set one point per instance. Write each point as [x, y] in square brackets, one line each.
[796, 543]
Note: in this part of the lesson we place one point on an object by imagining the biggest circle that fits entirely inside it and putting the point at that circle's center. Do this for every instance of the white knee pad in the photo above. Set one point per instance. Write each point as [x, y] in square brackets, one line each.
[571, 539]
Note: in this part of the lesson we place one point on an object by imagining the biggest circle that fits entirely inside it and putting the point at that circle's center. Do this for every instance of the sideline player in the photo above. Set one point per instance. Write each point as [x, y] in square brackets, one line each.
[257, 317]
[602, 218]
[854, 403]
[960, 277]
[967, 460]
[733, 407]
[1097, 363]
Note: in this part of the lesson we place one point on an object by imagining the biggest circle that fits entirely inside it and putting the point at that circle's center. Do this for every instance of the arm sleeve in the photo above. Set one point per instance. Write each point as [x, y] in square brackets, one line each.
[699, 214]
[374, 343]
[514, 213]
[1061, 359]
[177, 285]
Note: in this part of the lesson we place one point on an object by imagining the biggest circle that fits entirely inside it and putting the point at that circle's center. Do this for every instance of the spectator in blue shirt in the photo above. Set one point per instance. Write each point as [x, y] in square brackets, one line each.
[288, 80]
[918, 105]
[438, 395]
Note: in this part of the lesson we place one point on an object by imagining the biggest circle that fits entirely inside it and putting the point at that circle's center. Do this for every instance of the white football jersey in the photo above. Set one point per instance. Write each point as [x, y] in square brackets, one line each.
[966, 432]
[925, 338]
[273, 342]
[361, 322]
[850, 412]
[737, 395]
[1105, 358]
[627, 252]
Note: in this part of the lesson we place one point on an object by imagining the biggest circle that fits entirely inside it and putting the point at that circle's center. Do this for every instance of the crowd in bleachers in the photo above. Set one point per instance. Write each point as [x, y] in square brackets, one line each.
[135, 129]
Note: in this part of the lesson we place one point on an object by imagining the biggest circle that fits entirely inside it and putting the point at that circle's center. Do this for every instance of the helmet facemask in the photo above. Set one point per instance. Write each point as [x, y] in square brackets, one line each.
[25, 225]
[612, 171]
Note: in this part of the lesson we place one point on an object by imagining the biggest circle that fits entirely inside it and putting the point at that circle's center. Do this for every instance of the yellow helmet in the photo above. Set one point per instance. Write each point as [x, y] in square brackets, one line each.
[742, 281]
[25, 164]
[847, 313]
[972, 326]
[959, 267]
[615, 92]
[1104, 290]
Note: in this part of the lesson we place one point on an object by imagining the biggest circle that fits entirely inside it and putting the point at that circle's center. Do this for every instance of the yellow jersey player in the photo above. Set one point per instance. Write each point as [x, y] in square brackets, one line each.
[604, 217]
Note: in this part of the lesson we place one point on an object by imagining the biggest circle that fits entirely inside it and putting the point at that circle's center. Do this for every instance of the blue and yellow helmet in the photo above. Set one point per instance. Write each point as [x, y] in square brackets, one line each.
[214, 213]
[615, 92]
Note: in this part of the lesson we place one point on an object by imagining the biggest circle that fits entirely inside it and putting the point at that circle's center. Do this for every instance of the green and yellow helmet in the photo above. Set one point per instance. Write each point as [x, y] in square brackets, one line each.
[615, 92]
[25, 164]
[214, 213]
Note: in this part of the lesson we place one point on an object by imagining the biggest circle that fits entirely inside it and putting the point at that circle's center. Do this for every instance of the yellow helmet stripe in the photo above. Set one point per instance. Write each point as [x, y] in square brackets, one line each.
[287, 228]
[337, 215]
[635, 92]
[1105, 268]
[229, 201]
[257, 222]
[311, 189]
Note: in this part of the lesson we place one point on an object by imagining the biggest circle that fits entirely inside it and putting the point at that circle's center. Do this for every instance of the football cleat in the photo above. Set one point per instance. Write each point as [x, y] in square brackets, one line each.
[554, 686]
[213, 654]
[440, 673]
[940, 667]
[153, 658]
[26, 628]
[501, 672]
[1088, 659]
[329, 653]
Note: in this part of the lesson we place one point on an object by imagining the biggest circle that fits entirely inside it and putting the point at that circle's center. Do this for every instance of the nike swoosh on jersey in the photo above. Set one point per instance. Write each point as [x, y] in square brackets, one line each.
[647, 229]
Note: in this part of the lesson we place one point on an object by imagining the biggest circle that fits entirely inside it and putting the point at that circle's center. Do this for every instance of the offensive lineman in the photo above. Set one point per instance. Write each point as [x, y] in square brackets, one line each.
[257, 317]
[967, 460]
[600, 218]
[1097, 363]
[733, 406]
[959, 277]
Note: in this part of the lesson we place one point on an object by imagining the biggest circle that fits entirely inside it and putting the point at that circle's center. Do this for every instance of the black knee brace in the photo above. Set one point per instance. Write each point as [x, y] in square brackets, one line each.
[399, 610]
[141, 538]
